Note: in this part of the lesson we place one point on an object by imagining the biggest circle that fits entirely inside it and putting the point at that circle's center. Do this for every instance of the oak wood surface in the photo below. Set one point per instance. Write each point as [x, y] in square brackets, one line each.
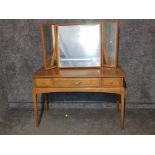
[80, 72]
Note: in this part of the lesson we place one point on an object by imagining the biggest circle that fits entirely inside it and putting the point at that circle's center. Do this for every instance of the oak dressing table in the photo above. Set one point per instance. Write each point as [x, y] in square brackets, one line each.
[79, 58]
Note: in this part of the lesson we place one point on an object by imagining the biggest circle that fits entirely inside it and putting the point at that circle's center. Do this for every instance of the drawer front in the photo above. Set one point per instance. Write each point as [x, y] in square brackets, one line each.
[43, 82]
[77, 82]
[111, 82]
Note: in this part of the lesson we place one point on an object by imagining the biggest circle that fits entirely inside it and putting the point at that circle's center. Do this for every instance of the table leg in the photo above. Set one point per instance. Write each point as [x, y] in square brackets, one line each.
[35, 110]
[117, 103]
[122, 109]
[46, 102]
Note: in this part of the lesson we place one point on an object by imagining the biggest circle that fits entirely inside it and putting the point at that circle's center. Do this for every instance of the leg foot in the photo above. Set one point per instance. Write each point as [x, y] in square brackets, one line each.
[117, 103]
[122, 109]
[46, 102]
[35, 110]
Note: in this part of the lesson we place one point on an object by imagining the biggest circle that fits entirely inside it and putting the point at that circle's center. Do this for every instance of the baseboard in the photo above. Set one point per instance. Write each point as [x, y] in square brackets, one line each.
[87, 105]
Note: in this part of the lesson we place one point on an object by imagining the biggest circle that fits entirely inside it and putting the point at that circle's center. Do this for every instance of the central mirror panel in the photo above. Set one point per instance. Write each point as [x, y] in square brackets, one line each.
[79, 46]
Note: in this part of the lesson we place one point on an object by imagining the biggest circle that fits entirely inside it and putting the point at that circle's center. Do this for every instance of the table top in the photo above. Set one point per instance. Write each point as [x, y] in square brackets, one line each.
[79, 72]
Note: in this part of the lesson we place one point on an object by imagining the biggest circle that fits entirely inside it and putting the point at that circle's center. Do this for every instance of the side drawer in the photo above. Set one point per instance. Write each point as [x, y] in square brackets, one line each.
[112, 82]
[43, 82]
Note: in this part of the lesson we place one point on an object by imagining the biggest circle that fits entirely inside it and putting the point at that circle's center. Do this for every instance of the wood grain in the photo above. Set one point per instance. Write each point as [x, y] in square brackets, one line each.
[80, 72]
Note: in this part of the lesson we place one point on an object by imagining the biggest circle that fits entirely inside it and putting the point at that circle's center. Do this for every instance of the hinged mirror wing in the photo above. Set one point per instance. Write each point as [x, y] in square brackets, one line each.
[49, 46]
[110, 44]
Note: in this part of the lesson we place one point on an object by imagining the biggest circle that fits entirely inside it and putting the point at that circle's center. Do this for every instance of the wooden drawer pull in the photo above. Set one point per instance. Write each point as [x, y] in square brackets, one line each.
[77, 83]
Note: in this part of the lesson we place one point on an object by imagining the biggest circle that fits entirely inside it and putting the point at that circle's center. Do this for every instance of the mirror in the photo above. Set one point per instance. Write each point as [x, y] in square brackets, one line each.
[110, 43]
[79, 46]
[48, 43]
[89, 45]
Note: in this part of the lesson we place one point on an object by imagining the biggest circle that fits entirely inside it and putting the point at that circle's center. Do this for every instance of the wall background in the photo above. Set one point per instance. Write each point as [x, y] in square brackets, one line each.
[21, 55]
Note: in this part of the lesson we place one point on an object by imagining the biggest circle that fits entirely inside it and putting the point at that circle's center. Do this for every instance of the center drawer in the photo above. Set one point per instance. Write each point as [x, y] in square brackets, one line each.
[77, 82]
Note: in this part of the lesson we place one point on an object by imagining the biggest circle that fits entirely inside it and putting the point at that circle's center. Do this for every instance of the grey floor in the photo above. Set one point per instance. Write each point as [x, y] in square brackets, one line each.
[79, 121]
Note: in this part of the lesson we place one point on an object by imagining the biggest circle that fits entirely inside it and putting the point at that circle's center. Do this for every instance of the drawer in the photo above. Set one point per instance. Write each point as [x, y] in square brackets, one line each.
[44, 82]
[76, 82]
[112, 82]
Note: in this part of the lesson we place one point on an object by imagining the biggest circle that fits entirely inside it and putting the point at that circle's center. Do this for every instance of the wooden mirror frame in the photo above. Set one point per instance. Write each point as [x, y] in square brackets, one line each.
[54, 60]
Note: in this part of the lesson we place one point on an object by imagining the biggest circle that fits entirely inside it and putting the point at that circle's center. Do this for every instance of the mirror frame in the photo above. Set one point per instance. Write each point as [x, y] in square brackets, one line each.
[55, 57]
[80, 24]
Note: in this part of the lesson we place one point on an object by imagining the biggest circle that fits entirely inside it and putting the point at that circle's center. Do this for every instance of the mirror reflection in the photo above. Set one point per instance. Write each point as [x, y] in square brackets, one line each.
[110, 43]
[48, 39]
[79, 45]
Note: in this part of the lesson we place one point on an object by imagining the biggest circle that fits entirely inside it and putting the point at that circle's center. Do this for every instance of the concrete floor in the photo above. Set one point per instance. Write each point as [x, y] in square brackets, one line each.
[78, 121]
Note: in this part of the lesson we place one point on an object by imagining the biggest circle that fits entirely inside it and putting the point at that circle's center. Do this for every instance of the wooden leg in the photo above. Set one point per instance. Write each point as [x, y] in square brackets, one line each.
[122, 109]
[117, 103]
[46, 102]
[35, 110]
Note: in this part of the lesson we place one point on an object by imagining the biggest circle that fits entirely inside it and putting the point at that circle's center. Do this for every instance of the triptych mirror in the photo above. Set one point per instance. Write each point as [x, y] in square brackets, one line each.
[80, 45]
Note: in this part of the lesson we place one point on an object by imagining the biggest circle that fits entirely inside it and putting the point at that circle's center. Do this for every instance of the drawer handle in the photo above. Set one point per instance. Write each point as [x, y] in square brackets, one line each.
[77, 83]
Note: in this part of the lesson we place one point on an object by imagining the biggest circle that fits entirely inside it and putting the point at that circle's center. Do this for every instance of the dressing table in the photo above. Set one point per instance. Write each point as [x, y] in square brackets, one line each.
[79, 58]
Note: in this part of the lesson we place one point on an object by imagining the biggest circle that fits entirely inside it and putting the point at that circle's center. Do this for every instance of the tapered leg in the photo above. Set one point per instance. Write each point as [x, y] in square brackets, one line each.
[35, 110]
[122, 109]
[117, 103]
[46, 102]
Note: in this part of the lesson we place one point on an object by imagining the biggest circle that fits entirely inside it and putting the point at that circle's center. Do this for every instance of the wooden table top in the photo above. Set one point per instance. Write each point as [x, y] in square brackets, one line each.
[79, 72]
